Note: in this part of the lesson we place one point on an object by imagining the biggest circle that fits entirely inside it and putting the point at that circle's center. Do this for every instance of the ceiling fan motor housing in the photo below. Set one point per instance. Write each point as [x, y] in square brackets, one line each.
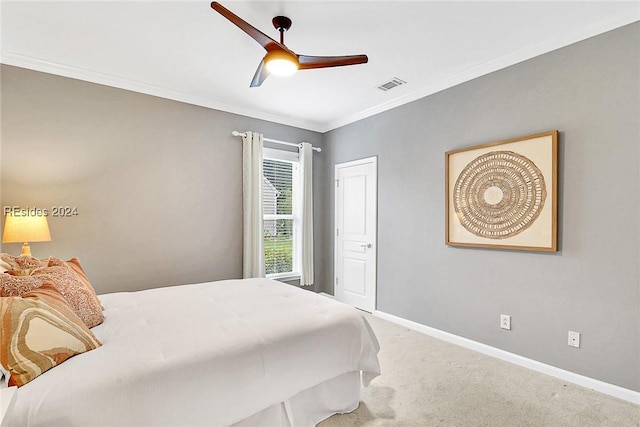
[281, 23]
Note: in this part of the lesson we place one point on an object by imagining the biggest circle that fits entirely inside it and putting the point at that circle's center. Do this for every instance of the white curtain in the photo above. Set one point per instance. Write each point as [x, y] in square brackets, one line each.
[306, 161]
[253, 246]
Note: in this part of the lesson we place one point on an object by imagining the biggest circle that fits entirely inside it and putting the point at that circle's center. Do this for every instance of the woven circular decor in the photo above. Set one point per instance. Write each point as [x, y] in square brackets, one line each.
[499, 195]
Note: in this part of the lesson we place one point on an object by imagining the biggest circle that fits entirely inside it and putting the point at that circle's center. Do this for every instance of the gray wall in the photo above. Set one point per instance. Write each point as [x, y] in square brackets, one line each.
[589, 91]
[157, 183]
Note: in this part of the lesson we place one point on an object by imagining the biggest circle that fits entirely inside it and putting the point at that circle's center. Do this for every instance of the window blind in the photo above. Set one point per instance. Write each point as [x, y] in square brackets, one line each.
[279, 220]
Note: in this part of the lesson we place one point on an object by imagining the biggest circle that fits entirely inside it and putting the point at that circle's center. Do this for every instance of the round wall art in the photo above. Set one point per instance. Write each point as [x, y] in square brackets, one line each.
[499, 194]
[504, 194]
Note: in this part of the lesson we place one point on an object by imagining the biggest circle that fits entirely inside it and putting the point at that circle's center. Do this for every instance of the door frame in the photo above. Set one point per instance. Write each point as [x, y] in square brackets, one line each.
[374, 160]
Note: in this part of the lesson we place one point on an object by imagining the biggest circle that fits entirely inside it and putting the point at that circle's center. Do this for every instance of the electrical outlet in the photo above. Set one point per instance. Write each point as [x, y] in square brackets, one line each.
[574, 339]
[505, 321]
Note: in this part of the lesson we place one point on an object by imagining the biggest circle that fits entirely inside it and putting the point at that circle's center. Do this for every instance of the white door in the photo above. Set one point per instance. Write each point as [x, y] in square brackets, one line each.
[355, 233]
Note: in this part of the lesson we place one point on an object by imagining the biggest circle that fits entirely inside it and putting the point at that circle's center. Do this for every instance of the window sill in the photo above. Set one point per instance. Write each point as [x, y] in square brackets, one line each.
[284, 276]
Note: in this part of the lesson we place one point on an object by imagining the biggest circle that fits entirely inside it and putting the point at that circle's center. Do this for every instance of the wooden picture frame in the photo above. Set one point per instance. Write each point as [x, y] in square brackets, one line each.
[504, 195]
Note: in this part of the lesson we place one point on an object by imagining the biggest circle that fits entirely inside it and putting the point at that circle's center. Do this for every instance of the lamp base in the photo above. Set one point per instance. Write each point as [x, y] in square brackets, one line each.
[26, 250]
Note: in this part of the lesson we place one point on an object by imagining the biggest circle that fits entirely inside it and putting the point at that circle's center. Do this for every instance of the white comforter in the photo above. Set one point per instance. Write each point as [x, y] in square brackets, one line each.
[207, 354]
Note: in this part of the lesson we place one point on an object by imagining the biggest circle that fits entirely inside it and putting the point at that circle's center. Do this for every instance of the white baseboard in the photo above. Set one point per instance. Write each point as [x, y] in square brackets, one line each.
[597, 385]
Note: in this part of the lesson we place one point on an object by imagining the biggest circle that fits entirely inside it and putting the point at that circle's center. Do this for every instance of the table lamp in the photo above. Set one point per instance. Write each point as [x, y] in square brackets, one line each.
[25, 229]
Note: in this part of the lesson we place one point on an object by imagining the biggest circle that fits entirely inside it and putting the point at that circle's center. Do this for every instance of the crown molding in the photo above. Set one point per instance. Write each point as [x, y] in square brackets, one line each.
[36, 64]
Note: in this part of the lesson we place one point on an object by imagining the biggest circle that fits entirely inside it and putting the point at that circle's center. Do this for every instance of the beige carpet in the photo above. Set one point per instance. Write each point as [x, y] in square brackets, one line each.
[428, 382]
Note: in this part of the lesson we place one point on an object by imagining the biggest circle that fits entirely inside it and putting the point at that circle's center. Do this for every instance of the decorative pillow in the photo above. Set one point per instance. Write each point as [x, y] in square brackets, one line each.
[39, 331]
[15, 286]
[23, 262]
[69, 279]
[26, 272]
[74, 263]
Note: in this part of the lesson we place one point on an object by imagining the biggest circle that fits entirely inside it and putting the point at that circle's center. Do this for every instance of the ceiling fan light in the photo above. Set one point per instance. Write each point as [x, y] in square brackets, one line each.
[281, 63]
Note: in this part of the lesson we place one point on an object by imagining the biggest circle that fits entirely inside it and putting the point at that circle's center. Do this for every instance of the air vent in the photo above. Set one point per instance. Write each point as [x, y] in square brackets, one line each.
[394, 82]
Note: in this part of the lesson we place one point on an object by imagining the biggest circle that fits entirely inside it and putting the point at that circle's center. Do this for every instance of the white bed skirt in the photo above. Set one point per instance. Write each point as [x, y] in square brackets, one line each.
[307, 408]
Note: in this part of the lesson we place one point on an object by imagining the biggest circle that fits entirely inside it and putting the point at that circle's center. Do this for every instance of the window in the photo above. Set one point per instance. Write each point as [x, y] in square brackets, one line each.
[281, 210]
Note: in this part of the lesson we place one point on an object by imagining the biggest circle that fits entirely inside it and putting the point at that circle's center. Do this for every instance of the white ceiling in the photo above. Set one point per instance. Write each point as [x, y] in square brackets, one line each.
[184, 50]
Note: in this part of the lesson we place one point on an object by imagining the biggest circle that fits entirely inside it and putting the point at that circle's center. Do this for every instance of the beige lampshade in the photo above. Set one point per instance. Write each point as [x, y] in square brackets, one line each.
[24, 229]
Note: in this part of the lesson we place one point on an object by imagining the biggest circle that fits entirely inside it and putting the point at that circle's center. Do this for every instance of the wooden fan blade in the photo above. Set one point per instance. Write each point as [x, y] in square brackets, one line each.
[261, 74]
[264, 40]
[308, 62]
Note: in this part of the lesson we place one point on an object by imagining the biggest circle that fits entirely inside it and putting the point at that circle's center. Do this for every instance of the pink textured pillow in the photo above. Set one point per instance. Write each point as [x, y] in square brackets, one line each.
[23, 262]
[74, 263]
[15, 286]
[69, 279]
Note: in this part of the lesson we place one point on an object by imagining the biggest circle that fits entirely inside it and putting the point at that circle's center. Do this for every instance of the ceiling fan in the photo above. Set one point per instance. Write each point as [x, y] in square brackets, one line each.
[280, 59]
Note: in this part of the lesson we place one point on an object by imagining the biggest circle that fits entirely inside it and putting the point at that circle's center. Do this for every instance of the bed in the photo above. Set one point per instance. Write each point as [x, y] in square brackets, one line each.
[252, 352]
